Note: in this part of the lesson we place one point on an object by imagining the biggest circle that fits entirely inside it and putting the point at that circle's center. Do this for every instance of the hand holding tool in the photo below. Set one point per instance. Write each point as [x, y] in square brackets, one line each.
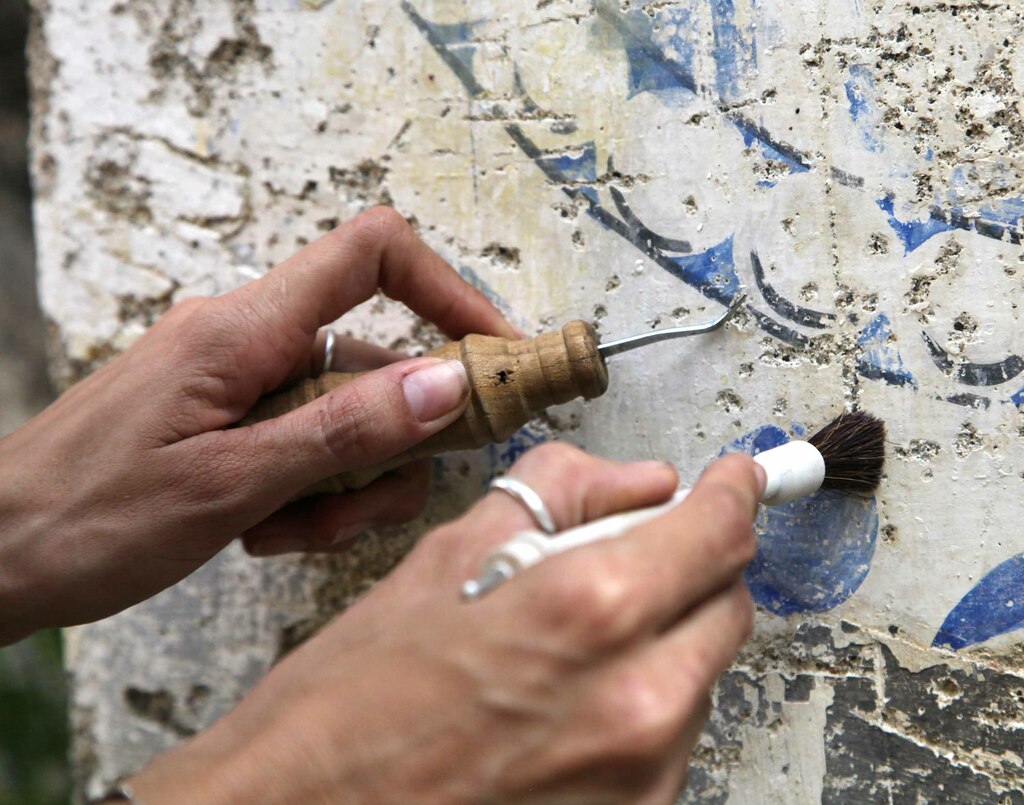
[846, 455]
[510, 382]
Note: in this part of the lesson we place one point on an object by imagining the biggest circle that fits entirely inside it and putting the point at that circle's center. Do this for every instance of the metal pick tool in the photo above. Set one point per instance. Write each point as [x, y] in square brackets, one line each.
[642, 340]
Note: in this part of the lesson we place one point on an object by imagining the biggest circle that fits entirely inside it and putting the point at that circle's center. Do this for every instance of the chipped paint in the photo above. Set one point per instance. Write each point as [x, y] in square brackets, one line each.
[855, 168]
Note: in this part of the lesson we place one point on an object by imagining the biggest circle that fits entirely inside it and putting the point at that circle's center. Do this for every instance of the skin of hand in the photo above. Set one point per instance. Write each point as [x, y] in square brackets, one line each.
[586, 679]
[135, 477]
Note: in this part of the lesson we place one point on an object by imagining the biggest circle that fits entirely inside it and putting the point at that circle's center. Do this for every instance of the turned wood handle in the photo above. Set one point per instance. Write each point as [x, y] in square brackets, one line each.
[510, 382]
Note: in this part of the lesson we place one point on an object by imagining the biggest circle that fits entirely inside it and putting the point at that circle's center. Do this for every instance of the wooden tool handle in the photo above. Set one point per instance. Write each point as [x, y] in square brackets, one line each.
[510, 382]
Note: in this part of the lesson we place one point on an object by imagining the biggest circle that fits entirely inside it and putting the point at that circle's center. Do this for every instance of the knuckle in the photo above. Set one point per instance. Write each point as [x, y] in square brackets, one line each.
[704, 660]
[382, 223]
[213, 326]
[734, 519]
[347, 428]
[559, 457]
[596, 598]
[642, 718]
[442, 541]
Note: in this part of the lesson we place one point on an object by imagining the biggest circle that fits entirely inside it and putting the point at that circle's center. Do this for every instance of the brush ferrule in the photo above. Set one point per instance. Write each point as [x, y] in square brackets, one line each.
[794, 469]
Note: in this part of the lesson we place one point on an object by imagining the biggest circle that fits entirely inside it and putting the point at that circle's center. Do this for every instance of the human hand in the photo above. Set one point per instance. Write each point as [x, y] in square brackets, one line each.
[134, 477]
[585, 679]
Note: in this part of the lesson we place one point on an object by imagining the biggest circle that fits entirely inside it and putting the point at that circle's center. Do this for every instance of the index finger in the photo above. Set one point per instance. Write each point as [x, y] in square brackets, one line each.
[375, 250]
[703, 545]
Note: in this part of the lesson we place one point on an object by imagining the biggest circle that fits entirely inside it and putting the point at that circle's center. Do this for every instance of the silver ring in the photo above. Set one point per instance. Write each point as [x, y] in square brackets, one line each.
[328, 352]
[530, 499]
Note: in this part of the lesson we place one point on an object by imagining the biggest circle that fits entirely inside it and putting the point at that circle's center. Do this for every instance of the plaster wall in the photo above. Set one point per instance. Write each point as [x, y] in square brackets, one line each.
[854, 166]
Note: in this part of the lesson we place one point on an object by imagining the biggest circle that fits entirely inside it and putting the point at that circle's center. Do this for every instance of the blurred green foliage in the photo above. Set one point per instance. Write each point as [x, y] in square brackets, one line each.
[33, 723]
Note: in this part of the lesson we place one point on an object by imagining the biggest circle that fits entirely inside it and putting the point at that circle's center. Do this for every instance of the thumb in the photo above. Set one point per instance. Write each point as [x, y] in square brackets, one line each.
[354, 426]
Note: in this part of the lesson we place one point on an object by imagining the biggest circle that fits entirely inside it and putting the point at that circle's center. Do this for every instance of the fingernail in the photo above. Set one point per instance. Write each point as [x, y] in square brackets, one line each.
[435, 390]
[349, 532]
[762, 478]
[272, 546]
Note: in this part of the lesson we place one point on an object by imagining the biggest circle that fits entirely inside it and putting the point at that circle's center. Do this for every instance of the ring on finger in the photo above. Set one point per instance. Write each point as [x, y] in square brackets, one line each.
[529, 498]
[329, 338]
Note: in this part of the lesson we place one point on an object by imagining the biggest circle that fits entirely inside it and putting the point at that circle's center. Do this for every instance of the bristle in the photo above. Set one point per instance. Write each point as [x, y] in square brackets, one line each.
[853, 447]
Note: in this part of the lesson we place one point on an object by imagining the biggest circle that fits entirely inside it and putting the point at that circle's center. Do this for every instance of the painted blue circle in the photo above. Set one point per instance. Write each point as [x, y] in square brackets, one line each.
[812, 553]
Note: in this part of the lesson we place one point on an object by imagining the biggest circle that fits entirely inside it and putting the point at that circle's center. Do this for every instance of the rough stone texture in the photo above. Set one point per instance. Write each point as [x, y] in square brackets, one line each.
[856, 166]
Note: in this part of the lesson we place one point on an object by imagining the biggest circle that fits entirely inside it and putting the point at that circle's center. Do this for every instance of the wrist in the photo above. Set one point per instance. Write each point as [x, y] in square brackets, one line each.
[27, 587]
[213, 768]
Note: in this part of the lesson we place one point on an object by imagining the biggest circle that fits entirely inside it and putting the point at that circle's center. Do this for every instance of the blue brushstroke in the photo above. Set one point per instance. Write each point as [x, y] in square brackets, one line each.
[911, 233]
[714, 268]
[880, 360]
[492, 296]
[734, 56]
[1017, 398]
[457, 38]
[664, 69]
[998, 220]
[860, 92]
[994, 606]
[752, 133]
[1006, 211]
[812, 553]
[580, 166]
[502, 456]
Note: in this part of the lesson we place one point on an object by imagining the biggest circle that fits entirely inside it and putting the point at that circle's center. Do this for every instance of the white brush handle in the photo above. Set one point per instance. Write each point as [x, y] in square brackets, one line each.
[793, 470]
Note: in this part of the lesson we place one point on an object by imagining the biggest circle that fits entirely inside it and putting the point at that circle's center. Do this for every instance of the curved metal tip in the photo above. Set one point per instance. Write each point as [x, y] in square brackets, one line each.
[642, 340]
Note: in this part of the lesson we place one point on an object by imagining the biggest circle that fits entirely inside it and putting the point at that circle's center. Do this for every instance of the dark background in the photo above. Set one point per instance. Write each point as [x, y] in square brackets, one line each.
[33, 722]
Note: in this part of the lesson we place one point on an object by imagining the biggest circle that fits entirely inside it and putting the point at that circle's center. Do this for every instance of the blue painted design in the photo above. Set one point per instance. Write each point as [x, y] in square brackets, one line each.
[771, 150]
[1017, 398]
[665, 68]
[994, 606]
[911, 233]
[1006, 211]
[880, 360]
[714, 268]
[734, 56]
[812, 553]
[572, 166]
[478, 282]
[860, 92]
[457, 38]
[929, 155]
[502, 456]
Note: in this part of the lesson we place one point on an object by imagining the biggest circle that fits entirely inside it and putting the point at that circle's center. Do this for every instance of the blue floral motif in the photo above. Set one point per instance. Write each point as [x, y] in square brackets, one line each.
[812, 553]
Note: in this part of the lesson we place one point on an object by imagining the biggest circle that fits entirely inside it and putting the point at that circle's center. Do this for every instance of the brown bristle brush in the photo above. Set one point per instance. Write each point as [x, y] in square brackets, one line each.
[853, 449]
[846, 455]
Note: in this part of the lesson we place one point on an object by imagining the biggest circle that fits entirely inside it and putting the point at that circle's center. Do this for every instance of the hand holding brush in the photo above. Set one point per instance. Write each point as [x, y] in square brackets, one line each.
[846, 455]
